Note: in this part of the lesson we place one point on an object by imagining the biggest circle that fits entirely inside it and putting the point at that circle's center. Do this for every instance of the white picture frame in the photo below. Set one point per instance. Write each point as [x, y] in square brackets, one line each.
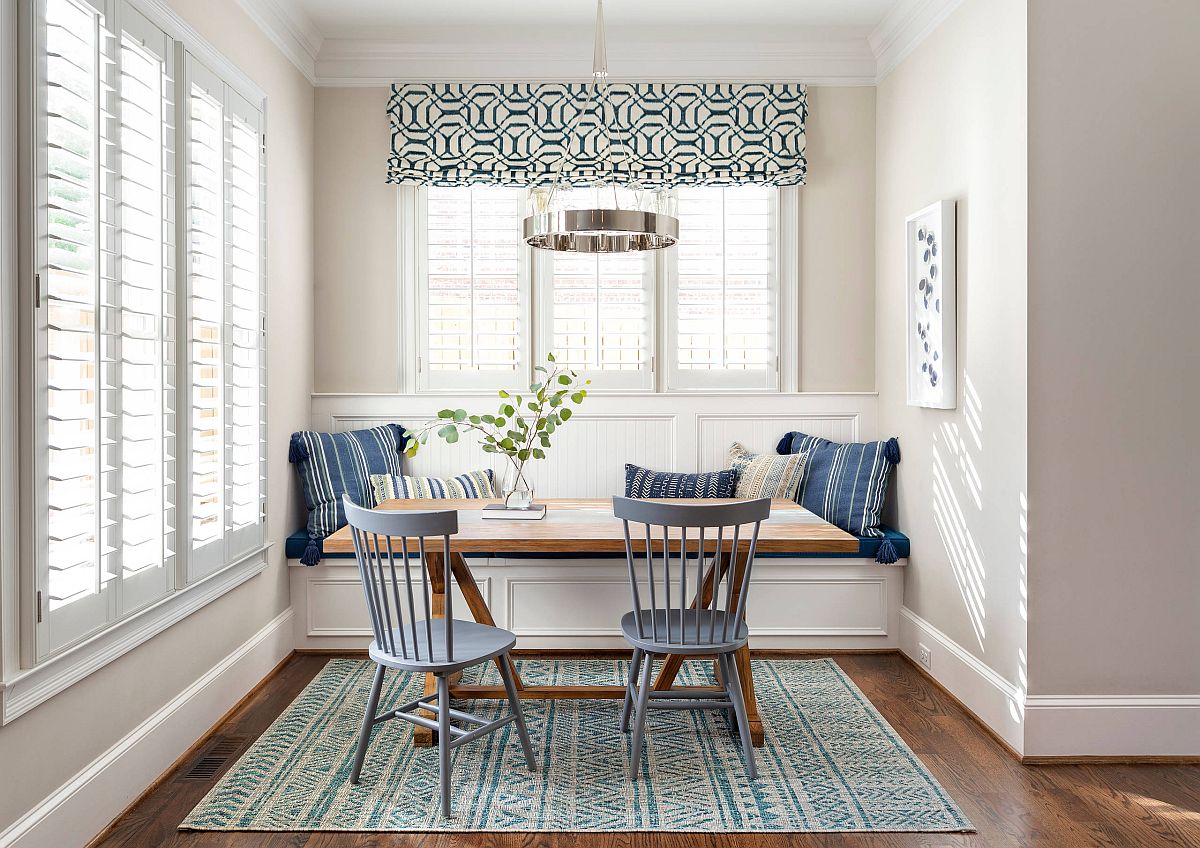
[931, 326]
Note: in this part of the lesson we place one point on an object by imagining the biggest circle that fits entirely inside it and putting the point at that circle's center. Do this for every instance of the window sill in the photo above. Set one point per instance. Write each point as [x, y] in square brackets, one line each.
[32, 686]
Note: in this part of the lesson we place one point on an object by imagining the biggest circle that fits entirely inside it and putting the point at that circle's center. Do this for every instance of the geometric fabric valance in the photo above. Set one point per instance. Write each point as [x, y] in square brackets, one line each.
[677, 133]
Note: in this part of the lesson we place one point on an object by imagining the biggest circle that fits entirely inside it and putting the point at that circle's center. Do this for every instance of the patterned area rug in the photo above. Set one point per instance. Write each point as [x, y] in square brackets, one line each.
[831, 763]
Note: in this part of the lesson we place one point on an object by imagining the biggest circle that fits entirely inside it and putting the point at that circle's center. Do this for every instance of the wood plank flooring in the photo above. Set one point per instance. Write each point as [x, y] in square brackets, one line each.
[1120, 806]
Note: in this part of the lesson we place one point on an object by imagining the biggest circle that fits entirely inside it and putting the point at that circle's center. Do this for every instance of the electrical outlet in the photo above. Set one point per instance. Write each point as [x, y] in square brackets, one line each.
[925, 656]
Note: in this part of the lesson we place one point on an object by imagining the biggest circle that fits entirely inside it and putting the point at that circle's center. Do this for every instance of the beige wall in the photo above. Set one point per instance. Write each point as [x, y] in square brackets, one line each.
[47, 746]
[1114, 219]
[951, 124]
[357, 296]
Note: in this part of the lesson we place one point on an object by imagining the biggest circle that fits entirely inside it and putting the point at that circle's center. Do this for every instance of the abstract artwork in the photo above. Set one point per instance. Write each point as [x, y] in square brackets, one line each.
[931, 332]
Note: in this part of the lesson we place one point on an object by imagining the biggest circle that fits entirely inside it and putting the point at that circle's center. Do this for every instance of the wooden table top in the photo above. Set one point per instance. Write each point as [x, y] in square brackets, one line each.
[588, 525]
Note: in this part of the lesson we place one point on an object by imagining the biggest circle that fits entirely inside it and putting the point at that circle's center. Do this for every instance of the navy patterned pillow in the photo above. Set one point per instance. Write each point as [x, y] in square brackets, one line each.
[644, 483]
[333, 464]
[845, 483]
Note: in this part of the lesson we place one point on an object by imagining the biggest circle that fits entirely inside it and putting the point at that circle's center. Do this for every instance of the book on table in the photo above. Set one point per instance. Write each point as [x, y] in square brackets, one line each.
[530, 513]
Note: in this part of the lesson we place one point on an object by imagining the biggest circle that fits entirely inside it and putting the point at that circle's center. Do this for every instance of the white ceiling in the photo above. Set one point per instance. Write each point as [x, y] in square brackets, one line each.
[376, 18]
[376, 42]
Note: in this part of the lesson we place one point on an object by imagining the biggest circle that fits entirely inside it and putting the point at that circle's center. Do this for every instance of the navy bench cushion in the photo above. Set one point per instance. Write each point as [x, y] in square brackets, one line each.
[868, 547]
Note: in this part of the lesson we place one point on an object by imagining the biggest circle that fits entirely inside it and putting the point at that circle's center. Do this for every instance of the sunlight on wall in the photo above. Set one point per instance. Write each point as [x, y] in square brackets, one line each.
[1016, 704]
[951, 462]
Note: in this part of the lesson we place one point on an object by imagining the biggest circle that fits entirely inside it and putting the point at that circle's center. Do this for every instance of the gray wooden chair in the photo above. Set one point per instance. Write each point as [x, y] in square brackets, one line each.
[383, 543]
[670, 623]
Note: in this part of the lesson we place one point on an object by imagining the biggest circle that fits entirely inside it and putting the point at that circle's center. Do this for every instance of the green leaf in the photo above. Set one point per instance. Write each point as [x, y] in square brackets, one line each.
[500, 422]
[411, 451]
[507, 409]
[449, 433]
[549, 426]
[541, 368]
[564, 379]
[488, 419]
[545, 440]
[549, 357]
[474, 419]
[533, 387]
[577, 397]
[446, 413]
[523, 454]
[489, 448]
[460, 415]
[538, 453]
[503, 393]
[565, 413]
[507, 444]
[532, 405]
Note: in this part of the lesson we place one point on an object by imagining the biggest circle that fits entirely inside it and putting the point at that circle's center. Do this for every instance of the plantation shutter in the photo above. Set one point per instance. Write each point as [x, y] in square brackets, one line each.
[474, 294]
[225, 323]
[245, 312]
[599, 311]
[725, 289]
[105, 355]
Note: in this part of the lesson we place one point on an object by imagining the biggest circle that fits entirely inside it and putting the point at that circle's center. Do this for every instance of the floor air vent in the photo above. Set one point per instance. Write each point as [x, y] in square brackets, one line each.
[211, 761]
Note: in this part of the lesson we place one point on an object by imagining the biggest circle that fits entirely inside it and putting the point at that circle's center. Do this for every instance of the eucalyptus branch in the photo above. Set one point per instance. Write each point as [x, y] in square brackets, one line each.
[522, 427]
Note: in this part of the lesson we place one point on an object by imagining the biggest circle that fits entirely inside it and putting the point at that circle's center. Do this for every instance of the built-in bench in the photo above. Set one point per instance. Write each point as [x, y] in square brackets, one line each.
[819, 601]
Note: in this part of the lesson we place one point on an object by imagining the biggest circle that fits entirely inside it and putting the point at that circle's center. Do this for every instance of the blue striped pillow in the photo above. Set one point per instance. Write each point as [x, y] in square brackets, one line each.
[644, 483]
[845, 483]
[333, 464]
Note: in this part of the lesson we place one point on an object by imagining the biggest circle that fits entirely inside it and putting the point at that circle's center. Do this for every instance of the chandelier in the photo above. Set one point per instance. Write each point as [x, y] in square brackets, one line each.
[647, 220]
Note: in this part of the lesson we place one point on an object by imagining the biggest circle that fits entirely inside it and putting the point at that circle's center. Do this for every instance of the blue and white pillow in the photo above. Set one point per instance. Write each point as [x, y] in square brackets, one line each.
[644, 483]
[333, 464]
[846, 484]
[473, 484]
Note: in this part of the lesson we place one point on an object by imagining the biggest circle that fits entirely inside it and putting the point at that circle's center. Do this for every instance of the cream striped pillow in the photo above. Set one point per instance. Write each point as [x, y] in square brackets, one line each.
[766, 475]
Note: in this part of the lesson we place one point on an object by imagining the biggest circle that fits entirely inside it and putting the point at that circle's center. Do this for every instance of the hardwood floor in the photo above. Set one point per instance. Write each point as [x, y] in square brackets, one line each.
[1123, 806]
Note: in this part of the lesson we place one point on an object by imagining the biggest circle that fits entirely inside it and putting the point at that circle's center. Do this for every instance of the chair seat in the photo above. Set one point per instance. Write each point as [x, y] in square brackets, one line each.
[688, 643]
[473, 643]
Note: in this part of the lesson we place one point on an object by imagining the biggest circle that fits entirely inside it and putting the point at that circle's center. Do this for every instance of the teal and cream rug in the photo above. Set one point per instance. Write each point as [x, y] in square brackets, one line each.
[831, 763]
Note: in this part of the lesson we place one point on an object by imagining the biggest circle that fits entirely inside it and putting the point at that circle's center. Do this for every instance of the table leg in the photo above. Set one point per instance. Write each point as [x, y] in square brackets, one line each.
[673, 663]
[423, 736]
[479, 608]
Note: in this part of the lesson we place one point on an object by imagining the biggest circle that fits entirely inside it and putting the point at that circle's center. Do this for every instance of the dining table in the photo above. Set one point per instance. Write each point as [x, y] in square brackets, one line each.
[575, 528]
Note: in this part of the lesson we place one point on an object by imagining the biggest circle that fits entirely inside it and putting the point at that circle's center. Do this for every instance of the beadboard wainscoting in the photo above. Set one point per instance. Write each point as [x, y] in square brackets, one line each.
[558, 603]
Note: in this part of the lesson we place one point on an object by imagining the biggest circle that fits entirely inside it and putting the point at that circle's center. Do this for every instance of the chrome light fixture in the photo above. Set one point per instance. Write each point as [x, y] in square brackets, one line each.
[602, 229]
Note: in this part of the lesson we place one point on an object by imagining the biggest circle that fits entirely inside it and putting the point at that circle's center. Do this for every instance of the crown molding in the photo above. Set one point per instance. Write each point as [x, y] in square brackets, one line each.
[903, 28]
[816, 58]
[359, 62]
[289, 29]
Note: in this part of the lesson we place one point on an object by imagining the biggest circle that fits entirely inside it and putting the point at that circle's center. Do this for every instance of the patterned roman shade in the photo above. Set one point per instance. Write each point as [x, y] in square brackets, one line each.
[677, 133]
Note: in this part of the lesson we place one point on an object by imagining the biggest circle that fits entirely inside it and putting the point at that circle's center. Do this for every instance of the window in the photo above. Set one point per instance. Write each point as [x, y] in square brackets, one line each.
[719, 290]
[126, 422]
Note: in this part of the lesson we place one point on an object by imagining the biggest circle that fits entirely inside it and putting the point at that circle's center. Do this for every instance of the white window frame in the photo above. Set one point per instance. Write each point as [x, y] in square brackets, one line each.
[663, 376]
[28, 674]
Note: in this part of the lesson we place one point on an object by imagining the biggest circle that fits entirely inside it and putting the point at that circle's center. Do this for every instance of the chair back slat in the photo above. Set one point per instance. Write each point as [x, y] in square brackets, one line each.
[671, 605]
[389, 588]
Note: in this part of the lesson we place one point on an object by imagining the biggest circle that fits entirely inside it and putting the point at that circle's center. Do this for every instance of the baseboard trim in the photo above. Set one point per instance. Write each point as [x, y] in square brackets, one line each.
[994, 701]
[86, 804]
[1120, 728]
[620, 653]
[1110, 761]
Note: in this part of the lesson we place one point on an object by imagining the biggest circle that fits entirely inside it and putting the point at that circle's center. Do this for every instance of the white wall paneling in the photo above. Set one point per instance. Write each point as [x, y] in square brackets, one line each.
[666, 432]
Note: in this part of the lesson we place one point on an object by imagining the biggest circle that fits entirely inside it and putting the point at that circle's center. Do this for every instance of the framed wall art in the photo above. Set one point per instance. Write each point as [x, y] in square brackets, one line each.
[931, 331]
